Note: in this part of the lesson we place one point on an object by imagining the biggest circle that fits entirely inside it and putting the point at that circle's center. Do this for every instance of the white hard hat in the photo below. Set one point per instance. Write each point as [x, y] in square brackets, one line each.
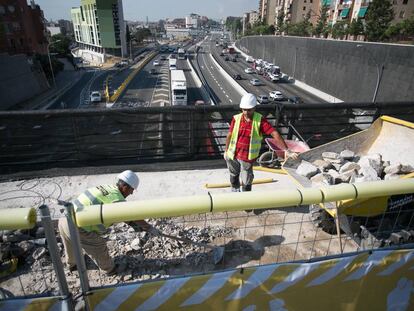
[248, 101]
[130, 178]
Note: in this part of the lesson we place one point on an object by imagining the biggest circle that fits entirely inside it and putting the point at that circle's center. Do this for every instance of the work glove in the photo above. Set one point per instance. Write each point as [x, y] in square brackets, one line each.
[290, 154]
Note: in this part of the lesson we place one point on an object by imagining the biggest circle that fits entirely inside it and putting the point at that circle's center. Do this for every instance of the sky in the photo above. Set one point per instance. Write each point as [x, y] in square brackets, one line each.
[138, 10]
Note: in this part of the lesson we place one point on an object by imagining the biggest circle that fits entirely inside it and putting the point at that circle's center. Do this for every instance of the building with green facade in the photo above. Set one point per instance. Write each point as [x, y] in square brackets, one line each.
[99, 29]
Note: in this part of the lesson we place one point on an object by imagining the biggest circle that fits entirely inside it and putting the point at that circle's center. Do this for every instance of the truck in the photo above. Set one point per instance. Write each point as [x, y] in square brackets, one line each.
[231, 50]
[370, 222]
[172, 64]
[178, 86]
[181, 53]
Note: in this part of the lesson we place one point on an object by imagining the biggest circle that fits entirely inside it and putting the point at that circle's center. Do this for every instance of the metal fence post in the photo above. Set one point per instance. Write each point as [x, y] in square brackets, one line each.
[54, 255]
[77, 250]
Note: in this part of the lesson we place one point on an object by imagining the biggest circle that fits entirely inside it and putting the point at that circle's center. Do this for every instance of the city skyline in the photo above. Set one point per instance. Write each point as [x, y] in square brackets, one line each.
[157, 9]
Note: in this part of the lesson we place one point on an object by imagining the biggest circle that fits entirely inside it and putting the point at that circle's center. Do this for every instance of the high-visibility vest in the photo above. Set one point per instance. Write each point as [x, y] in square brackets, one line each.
[104, 194]
[255, 137]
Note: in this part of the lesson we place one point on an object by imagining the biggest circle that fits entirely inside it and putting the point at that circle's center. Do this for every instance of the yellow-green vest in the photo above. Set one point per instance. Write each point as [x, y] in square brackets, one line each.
[104, 194]
[255, 137]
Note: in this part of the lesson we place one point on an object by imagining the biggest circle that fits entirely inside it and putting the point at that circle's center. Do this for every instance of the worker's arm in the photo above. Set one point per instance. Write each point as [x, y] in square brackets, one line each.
[288, 153]
[227, 141]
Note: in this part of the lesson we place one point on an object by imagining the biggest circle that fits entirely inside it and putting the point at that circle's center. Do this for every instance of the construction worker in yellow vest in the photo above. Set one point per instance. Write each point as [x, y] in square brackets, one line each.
[244, 141]
[90, 236]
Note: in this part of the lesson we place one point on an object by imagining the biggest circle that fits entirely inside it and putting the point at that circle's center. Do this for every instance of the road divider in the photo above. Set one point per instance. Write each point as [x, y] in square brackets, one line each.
[204, 93]
[225, 75]
[113, 98]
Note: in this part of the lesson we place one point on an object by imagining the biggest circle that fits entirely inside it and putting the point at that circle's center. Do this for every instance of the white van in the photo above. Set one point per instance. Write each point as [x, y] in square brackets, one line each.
[249, 59]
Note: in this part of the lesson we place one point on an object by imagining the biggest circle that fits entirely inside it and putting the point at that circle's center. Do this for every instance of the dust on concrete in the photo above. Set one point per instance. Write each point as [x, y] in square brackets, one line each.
[277, 235]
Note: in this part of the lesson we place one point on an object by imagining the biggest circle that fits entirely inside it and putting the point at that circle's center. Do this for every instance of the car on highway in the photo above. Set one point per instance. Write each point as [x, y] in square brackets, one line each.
[249, 70]
[295, 100]
[153, 71]
[237, 76]
[156, 62]
[226, 58]
[249, 59]
[262, 99]
[255, 82]
[163, 57]
[95, 97]
[234, 59]
[276, 95]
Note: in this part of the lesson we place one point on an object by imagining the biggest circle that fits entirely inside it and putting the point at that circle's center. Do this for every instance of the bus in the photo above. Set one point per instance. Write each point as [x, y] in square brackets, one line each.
[178, 85]
[181, 53]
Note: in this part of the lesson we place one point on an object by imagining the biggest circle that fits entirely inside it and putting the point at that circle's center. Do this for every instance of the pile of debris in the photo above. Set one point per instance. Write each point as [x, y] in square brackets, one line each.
[346, 167]
[139, 255]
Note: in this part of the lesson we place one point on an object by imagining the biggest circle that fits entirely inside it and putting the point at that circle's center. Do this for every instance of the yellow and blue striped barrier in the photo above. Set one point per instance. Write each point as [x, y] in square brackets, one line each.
[381, 280]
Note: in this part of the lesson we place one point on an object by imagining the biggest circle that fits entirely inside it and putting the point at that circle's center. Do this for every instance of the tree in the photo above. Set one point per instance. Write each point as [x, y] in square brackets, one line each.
[322, 20]
[339, 30]
[378, 19]
[303, 28]
[356, 28]
[60, 48]
[401, 31]
[142, 34]
[280, 21]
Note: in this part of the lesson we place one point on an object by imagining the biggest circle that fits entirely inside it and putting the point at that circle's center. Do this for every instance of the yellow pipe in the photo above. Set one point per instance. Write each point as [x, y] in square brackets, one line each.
[227, 184]
[127, 211]
[17, 218]
[270, 170]
[168, 207]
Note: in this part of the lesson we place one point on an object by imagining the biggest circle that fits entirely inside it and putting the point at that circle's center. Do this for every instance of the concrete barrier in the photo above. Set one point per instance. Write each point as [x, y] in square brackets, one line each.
[229, 79]
[197, 80]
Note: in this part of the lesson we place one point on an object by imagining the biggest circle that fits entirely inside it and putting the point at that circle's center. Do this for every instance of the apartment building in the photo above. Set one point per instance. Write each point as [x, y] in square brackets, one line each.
[99, 29]
[22, 28]
[267, 10]
[357, 9]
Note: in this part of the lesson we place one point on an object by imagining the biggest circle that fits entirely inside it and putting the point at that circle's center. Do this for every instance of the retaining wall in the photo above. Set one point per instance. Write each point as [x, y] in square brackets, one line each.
[340, 68]
[19, 80]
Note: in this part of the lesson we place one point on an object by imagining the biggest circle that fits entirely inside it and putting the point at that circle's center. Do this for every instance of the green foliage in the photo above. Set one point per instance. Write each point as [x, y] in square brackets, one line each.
[321, 24]
[260, 28]
[60, 48]
[142, 34]
[356, 27]
[235, 26]
[401, 31]
[378, 19]
[340, 30]
[279, 23]
[302, 29]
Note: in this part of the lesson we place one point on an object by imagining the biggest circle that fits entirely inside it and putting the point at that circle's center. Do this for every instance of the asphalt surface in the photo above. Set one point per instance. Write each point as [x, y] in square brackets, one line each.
[287, 89]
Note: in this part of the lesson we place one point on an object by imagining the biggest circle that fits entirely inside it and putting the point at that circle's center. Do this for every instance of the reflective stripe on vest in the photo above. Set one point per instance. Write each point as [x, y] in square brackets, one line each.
[98, 195]
[255, 137]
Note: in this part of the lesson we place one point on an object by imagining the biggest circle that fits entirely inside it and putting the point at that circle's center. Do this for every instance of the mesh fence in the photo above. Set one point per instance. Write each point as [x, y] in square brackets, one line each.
[77, 138]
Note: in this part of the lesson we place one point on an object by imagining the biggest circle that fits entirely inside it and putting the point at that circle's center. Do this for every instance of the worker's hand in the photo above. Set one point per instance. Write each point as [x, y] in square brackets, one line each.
[225, 156]
[291, 155]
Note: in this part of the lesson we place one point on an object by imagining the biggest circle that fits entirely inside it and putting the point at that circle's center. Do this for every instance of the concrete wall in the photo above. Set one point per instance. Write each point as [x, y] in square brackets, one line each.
[19, 80]
[340, 68]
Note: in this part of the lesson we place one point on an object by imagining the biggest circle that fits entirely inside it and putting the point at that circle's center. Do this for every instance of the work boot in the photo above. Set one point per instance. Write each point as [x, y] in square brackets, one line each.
[246, 188]
[234, 189]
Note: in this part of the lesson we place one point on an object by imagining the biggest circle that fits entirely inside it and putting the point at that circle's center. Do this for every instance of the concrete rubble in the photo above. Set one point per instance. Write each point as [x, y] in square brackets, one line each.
[139, 255]
[347, 167]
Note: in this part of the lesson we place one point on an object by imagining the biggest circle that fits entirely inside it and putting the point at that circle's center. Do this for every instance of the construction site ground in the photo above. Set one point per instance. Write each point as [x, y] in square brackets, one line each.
[277, 235]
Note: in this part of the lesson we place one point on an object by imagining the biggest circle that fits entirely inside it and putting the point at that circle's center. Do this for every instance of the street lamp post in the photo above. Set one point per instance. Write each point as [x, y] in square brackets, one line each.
[50, 61]
[380, 70]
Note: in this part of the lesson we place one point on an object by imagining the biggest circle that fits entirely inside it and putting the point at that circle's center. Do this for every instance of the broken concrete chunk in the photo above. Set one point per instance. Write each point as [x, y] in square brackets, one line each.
[393, 169]
[347, 155]
[332, 157]
[374, 161]
[406, 169]
[369, 173]
[322, 165]
[349, 166]
[322, 179]
[307, 169]
[346, 177]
